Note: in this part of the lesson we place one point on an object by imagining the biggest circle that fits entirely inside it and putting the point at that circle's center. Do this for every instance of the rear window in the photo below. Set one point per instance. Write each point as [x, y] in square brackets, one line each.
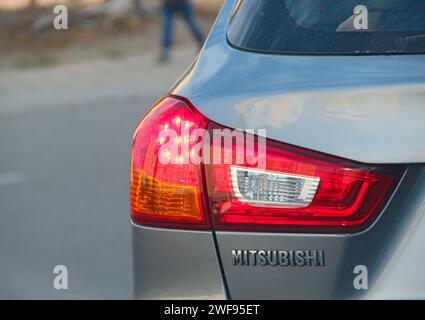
[329, 26]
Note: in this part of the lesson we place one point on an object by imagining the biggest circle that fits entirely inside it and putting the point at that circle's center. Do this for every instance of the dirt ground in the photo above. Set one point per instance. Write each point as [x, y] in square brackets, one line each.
[23, 48]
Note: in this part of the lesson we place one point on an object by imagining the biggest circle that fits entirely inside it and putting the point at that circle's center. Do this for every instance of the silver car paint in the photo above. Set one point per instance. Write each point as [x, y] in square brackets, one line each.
[394, 269]
[171, 264]
[365, 108]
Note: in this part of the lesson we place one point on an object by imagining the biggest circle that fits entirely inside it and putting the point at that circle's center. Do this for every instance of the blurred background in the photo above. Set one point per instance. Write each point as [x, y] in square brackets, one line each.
[69, 102]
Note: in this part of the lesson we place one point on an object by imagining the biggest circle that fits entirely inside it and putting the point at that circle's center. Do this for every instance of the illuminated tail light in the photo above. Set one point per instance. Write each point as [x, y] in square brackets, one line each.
[163, 190]
[295, 190]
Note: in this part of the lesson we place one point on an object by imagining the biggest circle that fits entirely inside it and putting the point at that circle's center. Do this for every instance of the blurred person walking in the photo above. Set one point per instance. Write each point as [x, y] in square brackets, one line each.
[169, 9]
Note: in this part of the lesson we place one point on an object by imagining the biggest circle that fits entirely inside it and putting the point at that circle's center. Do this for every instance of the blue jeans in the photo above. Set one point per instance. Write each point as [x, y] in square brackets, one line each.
[167, 25]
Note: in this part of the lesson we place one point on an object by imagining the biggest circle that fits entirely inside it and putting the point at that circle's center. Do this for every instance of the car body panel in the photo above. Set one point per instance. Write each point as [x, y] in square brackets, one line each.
[181, 264]
[390, 249]
[364, 108]
[171, 264]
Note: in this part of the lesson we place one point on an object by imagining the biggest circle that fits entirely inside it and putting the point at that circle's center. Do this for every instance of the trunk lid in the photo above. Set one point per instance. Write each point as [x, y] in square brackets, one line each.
[365, 108]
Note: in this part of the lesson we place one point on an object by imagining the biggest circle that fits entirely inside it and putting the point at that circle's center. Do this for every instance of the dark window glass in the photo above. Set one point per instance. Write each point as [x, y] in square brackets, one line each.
[329, 26]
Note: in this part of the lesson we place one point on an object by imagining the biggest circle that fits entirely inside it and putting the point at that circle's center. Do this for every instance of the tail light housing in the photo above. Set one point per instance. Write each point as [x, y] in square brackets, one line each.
[165, 189]
[294, 190]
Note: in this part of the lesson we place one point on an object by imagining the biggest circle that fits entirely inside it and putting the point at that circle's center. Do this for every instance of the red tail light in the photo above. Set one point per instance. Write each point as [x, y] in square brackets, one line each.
[295, 190]
[161, 193]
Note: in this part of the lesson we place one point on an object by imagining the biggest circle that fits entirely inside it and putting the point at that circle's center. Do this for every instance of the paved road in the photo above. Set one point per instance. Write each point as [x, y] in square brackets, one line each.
[65, 136]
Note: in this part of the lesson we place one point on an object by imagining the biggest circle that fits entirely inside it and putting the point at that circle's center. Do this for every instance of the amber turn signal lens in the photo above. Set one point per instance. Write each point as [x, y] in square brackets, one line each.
[157, 198]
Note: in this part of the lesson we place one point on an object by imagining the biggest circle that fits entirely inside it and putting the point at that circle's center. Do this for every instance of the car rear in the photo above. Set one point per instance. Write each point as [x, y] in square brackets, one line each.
[319, 193]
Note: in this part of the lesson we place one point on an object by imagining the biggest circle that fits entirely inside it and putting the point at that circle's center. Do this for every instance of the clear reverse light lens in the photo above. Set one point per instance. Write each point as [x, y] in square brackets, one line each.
[260, 187]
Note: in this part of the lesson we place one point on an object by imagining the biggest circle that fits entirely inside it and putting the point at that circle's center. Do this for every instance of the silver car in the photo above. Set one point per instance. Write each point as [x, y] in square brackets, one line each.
[288, 162]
